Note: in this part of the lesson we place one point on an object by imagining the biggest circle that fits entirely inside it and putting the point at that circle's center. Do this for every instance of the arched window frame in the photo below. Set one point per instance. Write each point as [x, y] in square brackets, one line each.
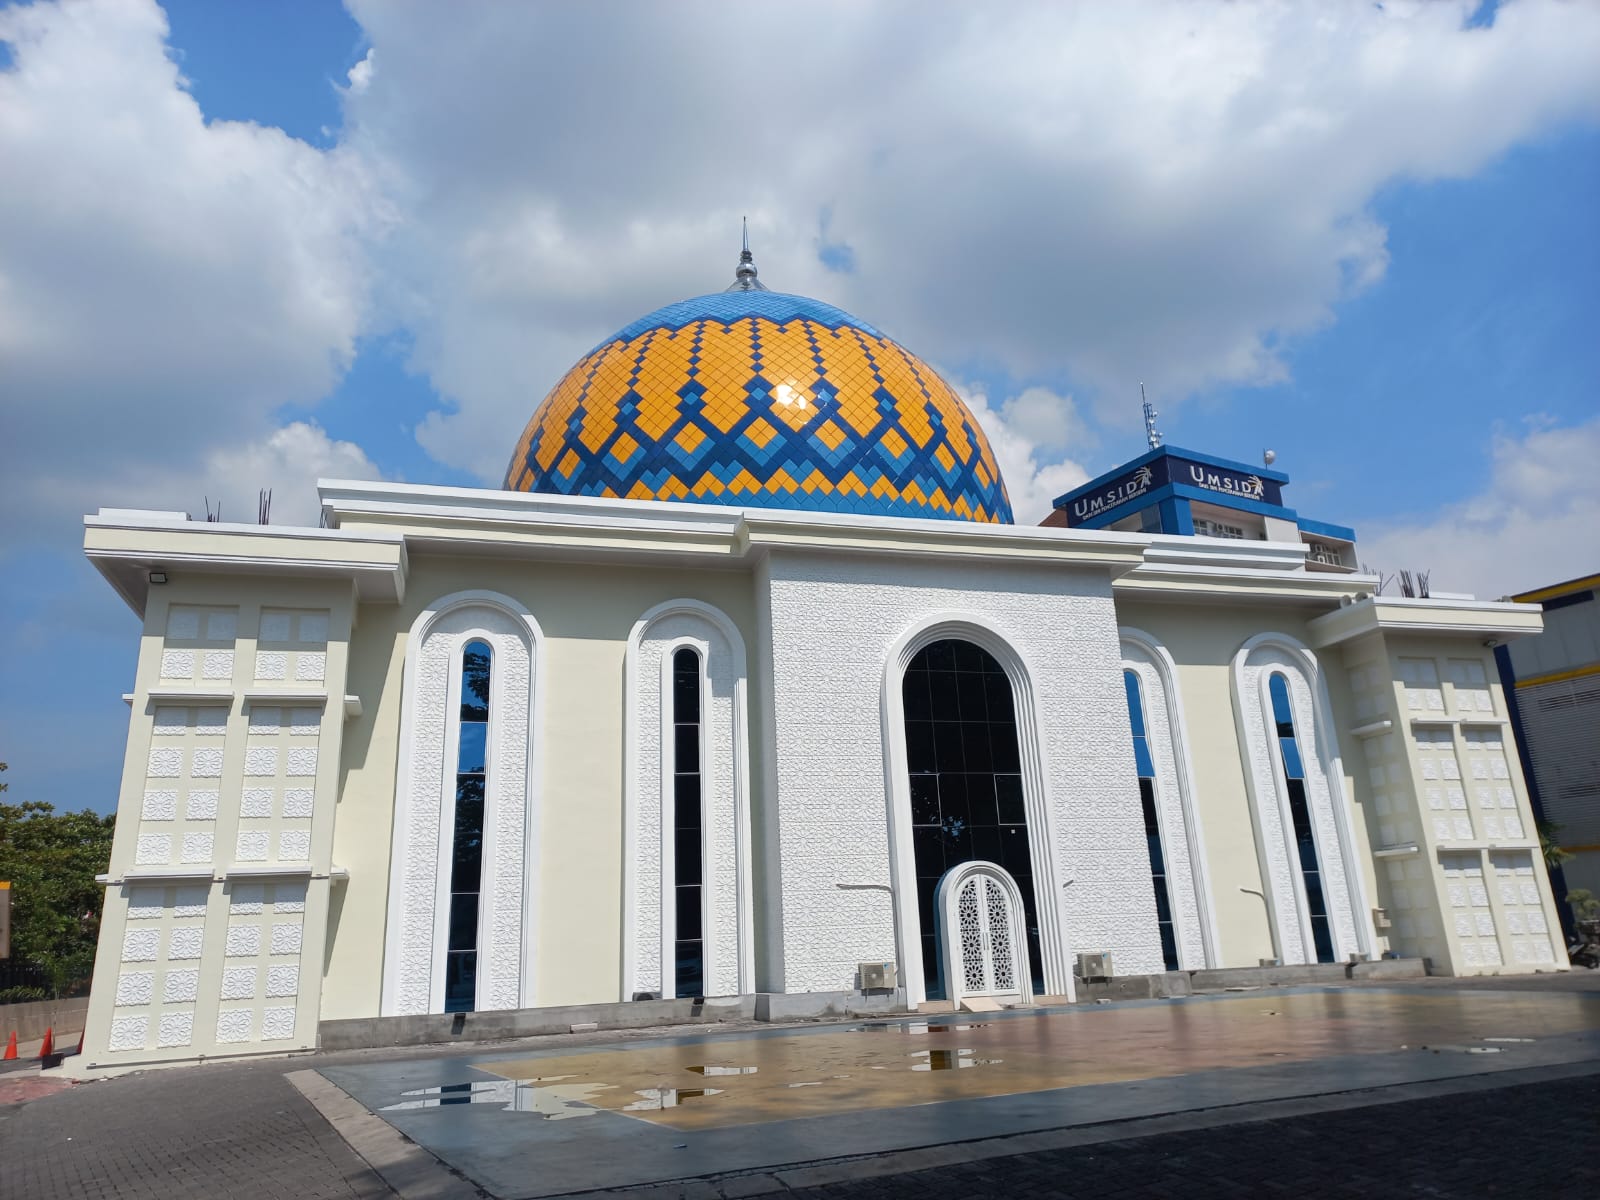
[415, 938]
[1199, 942]
[1344, 889]
[1042, 841]
[649, 902]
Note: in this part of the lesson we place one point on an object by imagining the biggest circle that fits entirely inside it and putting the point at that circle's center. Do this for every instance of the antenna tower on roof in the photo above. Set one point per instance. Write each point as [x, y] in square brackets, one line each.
[1151, 433]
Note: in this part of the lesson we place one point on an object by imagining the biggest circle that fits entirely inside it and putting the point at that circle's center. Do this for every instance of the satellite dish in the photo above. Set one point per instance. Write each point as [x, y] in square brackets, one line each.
[1269, 457]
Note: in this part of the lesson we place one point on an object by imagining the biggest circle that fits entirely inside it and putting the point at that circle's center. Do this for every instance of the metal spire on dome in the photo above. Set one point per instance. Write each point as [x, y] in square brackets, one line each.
[744, 276]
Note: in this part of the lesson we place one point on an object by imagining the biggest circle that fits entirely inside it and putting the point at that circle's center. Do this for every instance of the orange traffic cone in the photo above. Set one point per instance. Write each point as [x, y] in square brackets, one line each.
[49, 1046]
[11, 1048]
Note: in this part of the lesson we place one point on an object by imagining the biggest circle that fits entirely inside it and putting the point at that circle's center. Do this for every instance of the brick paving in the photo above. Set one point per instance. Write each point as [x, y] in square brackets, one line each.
[198, 1133]
[1539, 1140]
[241, 1131]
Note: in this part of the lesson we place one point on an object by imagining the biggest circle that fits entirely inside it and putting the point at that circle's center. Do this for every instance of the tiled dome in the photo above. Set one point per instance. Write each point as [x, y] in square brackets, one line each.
[752, 397]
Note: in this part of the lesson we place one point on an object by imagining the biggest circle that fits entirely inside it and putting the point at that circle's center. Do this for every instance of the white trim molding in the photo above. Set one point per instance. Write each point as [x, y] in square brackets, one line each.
[1042, 831]
[1188, 880]
[649, 909]
[416, 937]
[1349, 914]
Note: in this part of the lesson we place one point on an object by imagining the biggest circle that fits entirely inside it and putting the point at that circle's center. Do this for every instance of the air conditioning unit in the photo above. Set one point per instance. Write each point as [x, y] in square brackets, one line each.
[1095, 966]
[877, 975]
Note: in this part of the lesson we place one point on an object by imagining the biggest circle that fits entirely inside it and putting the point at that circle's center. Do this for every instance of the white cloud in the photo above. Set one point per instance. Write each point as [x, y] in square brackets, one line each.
[1029, 451]
[1533, 524]
[1100, 192]
[360, 75]
[165, 284]
[287, 462]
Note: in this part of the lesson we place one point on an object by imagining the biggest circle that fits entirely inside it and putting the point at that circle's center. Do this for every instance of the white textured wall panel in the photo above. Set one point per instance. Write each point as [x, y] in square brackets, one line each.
[834, 622]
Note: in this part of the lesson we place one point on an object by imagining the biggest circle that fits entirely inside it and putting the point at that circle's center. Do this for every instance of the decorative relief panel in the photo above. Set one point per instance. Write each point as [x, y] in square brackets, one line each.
[264, 941]
[180, 796]
[1527, 932]
[1442, 788]
[292, 644]
[153, 1007]
[414, 963]
[1424, 696]
[1471, 914]
[275, 807]
[723, 793]
[199, 639]
[1471, 685]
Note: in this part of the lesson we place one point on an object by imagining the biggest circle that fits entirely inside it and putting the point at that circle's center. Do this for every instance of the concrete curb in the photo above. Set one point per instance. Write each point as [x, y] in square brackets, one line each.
[409, 1170]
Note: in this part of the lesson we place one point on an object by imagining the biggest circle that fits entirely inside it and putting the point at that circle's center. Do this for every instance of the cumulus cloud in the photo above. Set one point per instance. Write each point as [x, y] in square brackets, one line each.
[166, 283]
[1029, 449]
[1094, 193]
[1533, 523]
[288, 462]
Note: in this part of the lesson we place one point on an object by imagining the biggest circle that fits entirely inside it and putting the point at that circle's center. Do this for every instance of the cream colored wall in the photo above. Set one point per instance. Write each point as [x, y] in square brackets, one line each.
[1447, 948]
[586, 614]
[1202, 640]
[246, 598]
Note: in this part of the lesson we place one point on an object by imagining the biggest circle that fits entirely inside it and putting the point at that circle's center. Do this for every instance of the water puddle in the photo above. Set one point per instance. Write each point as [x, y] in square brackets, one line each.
[655, 1099]
[950, 1060]
[547, 1097]
[919, 1028]
[707, 1069]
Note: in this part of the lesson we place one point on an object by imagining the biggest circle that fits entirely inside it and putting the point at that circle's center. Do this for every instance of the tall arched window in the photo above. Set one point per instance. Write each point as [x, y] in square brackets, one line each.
[1300, 814]
[688, 876]
[966, 784]
[1152, 824]
[466, 845]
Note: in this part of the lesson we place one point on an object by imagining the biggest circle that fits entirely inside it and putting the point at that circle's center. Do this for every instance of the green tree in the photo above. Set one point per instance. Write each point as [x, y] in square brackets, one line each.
[51, 860]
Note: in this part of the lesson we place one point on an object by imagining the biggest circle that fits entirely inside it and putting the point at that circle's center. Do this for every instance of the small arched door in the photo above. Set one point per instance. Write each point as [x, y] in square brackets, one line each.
[983, 940]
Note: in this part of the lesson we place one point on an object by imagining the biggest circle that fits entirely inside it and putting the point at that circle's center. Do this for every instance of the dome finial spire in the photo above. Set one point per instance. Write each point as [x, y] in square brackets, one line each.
[744, 276]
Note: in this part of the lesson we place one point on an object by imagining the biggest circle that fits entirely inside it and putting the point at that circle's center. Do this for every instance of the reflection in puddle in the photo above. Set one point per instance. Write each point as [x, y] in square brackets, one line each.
[652, 1099]
[538, 1096]
[917, 1028]
[710, 1070]
[950, 1060]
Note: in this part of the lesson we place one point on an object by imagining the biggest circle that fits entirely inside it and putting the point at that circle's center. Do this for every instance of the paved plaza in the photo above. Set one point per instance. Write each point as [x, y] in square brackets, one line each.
[1401, 1090]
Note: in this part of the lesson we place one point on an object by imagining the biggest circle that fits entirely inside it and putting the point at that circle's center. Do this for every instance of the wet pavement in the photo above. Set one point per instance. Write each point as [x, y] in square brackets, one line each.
[604, 1116]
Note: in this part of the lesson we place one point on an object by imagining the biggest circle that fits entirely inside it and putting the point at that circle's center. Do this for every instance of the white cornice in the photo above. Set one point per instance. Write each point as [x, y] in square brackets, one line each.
[126, 546]
[1490, 621]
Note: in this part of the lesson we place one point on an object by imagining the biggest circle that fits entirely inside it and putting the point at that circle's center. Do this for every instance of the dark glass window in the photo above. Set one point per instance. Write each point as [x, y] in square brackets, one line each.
[689, 949]
[1152, 824]
[466, 839]
[1305, 842]
[966, 784]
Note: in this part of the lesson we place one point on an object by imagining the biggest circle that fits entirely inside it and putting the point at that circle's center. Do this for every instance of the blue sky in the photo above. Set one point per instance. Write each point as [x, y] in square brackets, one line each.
[343, 264]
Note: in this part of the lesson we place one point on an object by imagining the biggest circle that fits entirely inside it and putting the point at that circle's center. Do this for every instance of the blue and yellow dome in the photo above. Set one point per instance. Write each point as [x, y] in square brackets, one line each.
[759, 398]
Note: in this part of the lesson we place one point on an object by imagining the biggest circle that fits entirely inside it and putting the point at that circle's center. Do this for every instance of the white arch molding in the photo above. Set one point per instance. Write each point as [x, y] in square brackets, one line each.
[1189, 886]
[416, 936]
[1349, 915]
[649, 910]
[997, 884]
[1042, 833]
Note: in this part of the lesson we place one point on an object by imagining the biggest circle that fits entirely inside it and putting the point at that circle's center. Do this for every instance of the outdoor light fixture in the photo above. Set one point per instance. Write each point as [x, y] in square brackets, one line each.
[158, 576]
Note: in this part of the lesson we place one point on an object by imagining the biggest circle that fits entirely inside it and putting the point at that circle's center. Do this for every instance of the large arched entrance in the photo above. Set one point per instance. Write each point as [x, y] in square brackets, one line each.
[965, 769]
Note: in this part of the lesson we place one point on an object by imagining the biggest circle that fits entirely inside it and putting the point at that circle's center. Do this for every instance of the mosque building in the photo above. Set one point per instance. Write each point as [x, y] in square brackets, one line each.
[745, 684]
